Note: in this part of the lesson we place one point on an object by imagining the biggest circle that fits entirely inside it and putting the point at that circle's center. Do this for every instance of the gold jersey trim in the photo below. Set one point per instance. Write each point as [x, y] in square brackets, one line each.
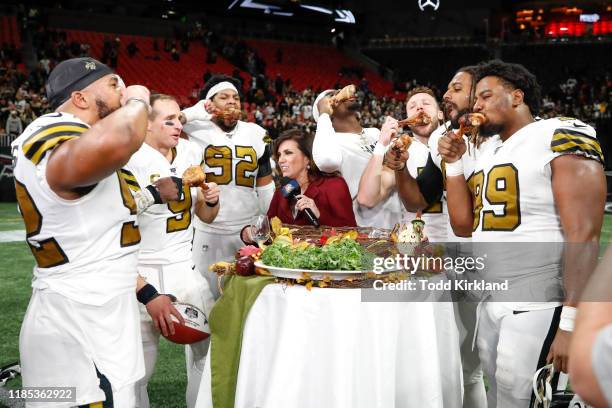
[47, 137]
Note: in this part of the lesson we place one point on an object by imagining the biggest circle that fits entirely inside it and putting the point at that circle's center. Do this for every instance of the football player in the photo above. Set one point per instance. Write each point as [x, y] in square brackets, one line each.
[378, 181]
[424, 190]
[420, 192]
[543, 183]
[165, 259]
[342, 145]
[81, 328]
[237, 158]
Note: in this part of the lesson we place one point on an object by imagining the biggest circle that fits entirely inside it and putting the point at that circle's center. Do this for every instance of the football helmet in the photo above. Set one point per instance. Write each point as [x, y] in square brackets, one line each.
[547, 393]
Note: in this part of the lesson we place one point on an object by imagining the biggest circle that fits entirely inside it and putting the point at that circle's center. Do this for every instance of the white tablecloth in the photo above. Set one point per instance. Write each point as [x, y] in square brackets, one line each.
[326, 348]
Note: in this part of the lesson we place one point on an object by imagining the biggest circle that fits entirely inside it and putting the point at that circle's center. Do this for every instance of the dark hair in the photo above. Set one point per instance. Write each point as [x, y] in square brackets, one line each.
[468, 69]
[515, 76]
[158, 97]
[304, 141]
[418, 90]
[471, 70]
[216, 79]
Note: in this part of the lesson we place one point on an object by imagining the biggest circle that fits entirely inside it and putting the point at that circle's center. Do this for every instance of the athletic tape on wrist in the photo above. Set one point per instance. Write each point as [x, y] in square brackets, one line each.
[454, 169]
[380, 149]
[144, 199]
[568, 317]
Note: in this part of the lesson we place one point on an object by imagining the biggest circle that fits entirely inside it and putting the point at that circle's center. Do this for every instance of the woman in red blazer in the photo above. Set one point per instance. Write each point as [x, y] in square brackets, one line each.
[326, 195]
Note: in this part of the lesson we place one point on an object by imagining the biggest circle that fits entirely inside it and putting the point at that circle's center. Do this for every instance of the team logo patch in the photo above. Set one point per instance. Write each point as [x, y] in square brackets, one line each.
[90, 65]
[191, 312]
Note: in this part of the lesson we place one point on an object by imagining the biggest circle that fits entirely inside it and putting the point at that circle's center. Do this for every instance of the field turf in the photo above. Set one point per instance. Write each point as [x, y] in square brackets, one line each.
[167, 386]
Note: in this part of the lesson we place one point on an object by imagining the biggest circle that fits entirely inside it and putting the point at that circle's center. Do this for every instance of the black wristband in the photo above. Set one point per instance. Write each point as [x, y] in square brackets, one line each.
[211, 205]
[155, 193]
[146, 294]
[179, 185]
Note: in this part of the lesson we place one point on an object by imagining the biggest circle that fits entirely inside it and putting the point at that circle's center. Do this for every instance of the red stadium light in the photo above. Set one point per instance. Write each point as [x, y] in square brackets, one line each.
[602, 27]
[575, 29]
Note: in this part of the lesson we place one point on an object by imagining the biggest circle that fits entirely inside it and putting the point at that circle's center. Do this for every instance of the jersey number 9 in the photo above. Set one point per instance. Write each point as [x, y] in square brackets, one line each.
[182, 209]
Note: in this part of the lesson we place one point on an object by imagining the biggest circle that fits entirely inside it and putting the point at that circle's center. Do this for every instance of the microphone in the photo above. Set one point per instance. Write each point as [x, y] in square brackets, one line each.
[290, 189]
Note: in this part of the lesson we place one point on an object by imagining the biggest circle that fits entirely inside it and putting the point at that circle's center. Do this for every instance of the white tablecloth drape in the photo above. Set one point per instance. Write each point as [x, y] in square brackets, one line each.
[327, 348]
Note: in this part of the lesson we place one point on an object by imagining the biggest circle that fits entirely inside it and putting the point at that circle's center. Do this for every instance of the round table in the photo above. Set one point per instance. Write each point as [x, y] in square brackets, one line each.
[327, 348]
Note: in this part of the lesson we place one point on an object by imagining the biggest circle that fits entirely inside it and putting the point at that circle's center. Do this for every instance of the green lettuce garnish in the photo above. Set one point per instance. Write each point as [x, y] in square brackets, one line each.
[343, 255]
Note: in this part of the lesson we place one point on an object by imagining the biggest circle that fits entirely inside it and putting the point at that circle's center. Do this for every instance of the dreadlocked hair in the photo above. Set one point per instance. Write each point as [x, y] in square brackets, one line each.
[472, 71]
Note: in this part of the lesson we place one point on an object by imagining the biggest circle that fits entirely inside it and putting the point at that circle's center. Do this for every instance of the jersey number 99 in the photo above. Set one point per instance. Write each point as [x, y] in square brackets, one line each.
[501, 187]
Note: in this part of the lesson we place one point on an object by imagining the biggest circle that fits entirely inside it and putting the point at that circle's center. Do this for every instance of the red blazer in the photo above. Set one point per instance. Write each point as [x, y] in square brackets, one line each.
[332, 197]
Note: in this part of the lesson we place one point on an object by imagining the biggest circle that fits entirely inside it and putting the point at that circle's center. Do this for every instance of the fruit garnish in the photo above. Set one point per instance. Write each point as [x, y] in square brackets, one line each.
[276, 225]
[248, 250]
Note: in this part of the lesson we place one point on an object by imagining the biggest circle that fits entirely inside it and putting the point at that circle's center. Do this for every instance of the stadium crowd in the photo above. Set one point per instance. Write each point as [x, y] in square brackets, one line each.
[272, 103]
[344, 162]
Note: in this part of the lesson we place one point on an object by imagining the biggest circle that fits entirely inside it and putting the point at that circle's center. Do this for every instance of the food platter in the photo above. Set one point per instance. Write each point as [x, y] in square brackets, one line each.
[309, 274]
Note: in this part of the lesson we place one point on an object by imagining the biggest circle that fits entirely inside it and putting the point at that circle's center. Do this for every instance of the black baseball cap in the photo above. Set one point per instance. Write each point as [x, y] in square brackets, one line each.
[72, 75]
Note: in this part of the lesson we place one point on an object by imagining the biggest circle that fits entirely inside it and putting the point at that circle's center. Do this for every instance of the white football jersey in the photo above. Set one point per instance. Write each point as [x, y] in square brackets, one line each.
[232, 160]
[357, 151]
[512, 183]
[354, 152]
[85, 249]
[514, 202]
[166, 229]
[436, 219]
[468, 160]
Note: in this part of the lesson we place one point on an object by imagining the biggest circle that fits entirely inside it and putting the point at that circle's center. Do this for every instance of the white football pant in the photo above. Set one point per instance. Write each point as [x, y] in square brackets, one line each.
[510, 344]
[64, 343]
[474, 392]
[209, 248]
[185, 282]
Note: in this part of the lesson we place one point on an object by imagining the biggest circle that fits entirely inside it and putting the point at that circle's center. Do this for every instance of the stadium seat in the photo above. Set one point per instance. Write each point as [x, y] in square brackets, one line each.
[162, 73]
[9, 33]
[311, 64]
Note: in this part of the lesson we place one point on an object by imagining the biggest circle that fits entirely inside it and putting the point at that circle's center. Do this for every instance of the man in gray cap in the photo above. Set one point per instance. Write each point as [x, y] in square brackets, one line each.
[79, 207]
